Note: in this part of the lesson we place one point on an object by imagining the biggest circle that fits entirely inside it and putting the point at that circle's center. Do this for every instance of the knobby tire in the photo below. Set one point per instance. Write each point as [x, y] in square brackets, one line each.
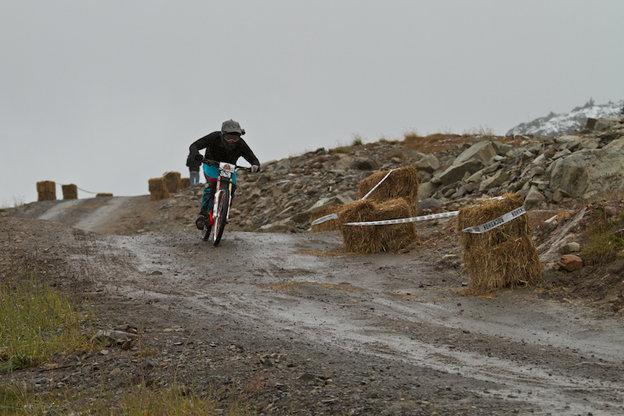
[221, 218]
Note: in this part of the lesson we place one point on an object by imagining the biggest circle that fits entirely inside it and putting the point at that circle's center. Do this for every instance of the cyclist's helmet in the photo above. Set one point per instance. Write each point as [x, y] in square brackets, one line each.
[231, 132]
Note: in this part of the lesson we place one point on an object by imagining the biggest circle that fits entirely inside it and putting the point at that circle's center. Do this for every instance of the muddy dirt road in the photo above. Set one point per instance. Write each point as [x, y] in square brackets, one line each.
[393, 333]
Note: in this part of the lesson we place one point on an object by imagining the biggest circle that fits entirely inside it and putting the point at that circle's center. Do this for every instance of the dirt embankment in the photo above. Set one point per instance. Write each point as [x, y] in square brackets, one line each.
[294, 325]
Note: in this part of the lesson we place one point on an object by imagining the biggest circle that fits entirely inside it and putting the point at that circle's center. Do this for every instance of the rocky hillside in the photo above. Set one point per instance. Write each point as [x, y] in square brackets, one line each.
[559, 124]
[453, 171]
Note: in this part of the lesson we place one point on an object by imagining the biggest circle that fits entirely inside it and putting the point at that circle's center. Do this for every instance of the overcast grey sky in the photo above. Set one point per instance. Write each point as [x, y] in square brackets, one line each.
[107, 94]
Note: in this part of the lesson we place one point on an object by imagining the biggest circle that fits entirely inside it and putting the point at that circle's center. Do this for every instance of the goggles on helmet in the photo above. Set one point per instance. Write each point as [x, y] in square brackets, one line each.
[231, 138]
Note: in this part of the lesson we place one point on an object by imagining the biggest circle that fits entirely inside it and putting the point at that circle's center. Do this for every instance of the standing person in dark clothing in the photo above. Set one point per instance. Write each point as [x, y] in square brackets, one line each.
[221, 146]
[193, 165]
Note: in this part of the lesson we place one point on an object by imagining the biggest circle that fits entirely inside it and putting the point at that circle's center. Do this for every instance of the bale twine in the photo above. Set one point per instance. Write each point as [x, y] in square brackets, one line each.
[70, 191]
[401, 183]
[158, 189]
[504, 256]
[103, 195]
[172, 181]
[46, 191]
[330, 225]
[185, 183]
[376, 238]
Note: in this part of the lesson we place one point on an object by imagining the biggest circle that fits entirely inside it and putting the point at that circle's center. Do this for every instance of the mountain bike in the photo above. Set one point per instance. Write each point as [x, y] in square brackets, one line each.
[219, 214]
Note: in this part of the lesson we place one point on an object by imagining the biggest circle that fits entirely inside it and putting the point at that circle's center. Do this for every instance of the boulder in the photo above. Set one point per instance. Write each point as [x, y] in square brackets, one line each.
[455, 172]
[533, 198]
[361, 163]
[502, 148]
[571, 247]
[615, 144]
[496, 180]
[429, 203]
[482, 151]
[603, 124]
[428, 163]
[589, 173]
[427, 189]
[570, 262]
[343, 163]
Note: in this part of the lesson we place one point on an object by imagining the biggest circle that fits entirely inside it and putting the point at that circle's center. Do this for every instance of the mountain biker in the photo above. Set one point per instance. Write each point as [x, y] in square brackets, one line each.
[221, 146]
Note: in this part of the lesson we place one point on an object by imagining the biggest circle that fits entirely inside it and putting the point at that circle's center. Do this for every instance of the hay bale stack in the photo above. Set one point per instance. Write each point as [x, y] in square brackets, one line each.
[103, 195]
[70, 191]
[501, 257]
[46, 191]
[185, 183]
[329, 225]
[172, 180]
[376, 238]
[401, 183]
[158, 189]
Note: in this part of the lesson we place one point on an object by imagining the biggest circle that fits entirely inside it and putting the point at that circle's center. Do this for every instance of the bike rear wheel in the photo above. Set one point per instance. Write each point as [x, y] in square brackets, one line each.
[221, 217]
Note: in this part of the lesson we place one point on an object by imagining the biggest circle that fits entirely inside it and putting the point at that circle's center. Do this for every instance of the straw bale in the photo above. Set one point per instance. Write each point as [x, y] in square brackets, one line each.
[158, 189]
[330, 225]
[172, 181]
[501, 257]
[512, 263]
[70, 191]
[185, 183]
[46, 191]
[376, 238]
[103, 195]
[401, 183]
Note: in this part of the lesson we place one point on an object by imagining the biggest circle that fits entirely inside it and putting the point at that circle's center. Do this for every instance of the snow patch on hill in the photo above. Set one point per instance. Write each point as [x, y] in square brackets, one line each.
[559, 124]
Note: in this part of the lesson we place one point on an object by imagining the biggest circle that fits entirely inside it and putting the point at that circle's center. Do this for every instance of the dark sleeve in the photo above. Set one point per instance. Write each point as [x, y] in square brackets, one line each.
[201, 143]
[248, 155]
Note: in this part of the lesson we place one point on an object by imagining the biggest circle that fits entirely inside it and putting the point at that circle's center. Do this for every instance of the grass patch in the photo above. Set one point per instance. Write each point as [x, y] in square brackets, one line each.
[174, 400]
[603, 237]
[136, 401]
[36, 321]
[433, 143]
[339, 149]
[357, 140]
[481, 131]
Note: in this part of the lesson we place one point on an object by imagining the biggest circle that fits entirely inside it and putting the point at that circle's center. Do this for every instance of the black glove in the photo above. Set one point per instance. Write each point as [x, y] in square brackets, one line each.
[198, 156]
[255, 168]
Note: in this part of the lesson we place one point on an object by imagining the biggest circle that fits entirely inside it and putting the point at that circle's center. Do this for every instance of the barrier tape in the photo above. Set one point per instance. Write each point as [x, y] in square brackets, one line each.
[375, 187]
[325, 218]
[497, 222]
[80, 189]
[335, 216]
[479, 229]
[404, 220]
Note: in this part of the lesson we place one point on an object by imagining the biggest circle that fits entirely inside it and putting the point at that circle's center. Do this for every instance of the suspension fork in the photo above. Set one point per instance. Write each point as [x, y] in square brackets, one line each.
[217, 196]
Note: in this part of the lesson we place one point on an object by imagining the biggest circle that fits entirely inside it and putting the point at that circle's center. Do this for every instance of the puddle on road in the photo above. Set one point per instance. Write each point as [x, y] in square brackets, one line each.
[289, 287]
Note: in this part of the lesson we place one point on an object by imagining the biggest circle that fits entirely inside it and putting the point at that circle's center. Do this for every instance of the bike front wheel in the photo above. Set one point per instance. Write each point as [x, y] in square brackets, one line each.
[221, 217]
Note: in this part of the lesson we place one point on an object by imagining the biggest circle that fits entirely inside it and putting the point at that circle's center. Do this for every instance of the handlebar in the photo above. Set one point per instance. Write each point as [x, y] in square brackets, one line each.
[215, 163]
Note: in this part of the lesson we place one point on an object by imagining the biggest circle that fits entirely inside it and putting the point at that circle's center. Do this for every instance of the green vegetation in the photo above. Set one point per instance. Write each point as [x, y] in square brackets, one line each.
[138, 400]
[339, 149]
[36, 321]
[602, 239]
[357, 140]
[175, 401]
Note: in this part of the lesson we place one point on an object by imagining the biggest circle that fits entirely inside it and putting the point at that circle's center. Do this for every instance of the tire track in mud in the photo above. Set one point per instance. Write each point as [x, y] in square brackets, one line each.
[549, 355]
